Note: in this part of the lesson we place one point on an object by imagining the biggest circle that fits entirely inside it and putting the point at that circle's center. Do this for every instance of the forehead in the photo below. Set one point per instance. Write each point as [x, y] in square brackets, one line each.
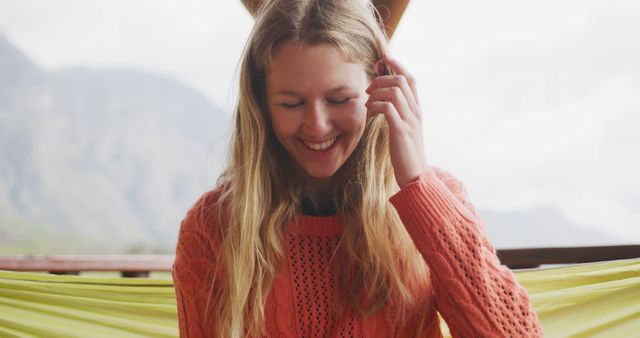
[303, 67]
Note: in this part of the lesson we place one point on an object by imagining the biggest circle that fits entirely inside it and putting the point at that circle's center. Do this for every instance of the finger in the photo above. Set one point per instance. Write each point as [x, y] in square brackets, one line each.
[386, 108]
[399, 69]
[395, 96]
[390, 81]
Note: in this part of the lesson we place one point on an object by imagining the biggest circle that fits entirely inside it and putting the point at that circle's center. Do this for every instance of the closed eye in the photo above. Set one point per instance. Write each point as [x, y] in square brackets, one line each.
[293, 105]
[338, 100]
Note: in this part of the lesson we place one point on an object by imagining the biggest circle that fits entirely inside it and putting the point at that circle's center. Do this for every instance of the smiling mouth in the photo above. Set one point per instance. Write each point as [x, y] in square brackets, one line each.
[320, 146]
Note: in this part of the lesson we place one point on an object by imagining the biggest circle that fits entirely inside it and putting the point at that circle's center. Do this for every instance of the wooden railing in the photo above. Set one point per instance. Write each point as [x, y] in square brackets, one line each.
[142, 265]
[533, 258]
[127, 265]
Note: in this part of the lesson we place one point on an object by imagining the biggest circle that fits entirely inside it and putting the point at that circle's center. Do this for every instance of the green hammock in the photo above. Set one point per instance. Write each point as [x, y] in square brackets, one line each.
[587, 300]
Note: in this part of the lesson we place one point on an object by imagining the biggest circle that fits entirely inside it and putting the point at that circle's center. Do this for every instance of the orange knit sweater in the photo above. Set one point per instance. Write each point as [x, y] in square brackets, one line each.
[475, 295]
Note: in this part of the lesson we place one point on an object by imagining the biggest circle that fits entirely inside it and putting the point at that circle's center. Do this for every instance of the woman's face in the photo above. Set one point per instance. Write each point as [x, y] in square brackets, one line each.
[316, 100]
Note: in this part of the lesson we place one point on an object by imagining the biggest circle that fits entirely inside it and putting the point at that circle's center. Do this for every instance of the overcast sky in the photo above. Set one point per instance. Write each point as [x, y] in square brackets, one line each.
[529, 103]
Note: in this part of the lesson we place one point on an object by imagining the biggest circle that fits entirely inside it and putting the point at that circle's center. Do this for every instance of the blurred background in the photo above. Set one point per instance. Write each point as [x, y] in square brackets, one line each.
[114, 116]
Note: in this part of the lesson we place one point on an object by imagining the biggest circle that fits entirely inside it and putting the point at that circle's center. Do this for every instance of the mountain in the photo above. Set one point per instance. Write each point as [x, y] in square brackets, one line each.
[101, 155]
[109, 160]
[542, 226]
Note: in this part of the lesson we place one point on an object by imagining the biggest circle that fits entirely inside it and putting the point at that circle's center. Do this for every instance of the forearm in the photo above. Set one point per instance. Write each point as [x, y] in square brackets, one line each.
[476, 295]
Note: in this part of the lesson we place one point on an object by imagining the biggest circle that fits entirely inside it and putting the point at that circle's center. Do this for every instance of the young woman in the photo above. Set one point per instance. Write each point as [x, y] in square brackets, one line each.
[328, 221]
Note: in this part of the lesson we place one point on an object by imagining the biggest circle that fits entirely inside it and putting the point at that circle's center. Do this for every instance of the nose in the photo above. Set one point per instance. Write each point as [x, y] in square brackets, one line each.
[317, 121]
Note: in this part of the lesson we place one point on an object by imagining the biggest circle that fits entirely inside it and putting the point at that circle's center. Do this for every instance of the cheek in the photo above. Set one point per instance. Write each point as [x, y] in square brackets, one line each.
[280, 125]
[283, 128]
[355, 120]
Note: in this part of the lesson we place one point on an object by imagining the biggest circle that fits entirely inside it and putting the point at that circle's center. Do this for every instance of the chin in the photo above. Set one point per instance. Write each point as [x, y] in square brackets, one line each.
[321, 174]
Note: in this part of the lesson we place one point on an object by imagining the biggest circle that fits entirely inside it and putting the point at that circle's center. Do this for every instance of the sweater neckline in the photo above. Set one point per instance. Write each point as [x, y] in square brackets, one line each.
[317, 225]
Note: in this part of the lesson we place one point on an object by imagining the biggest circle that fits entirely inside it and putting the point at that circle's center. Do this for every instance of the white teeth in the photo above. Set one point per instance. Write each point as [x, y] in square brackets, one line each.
[320, 146]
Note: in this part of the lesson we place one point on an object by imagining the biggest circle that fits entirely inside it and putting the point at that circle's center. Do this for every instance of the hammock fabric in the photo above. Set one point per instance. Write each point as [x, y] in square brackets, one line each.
[588, 300]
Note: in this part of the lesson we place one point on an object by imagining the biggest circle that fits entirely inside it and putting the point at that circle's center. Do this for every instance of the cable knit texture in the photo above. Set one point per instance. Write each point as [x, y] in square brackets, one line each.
[475, 295]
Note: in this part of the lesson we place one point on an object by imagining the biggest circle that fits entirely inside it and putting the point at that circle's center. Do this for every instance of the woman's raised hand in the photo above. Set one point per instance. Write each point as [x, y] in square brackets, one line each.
[396, 97]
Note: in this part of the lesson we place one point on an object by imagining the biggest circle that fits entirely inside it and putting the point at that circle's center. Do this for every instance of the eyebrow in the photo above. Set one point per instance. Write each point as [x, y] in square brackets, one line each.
[294, 93]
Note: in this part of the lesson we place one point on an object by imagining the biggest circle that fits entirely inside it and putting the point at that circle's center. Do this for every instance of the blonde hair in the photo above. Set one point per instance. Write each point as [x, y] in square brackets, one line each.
[259, 198]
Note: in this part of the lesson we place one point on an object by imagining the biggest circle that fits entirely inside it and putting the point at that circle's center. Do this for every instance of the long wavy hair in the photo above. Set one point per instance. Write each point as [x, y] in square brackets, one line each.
[381, 266]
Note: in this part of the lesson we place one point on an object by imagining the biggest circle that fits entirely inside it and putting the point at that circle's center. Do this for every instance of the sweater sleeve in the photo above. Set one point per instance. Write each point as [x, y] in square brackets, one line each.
[194, 267]
[476, 295]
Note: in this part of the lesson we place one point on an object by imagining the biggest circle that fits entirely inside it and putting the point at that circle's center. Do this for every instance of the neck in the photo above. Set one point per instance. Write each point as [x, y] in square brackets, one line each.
[320, 190]
[318, 198]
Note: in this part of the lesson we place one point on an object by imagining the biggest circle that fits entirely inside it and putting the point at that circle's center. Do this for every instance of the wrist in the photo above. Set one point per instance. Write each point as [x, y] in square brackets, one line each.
[407, 179]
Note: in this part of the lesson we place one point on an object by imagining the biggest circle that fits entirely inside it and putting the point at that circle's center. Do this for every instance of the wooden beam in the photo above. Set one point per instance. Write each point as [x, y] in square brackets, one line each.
[390, 10]
[252, 6]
